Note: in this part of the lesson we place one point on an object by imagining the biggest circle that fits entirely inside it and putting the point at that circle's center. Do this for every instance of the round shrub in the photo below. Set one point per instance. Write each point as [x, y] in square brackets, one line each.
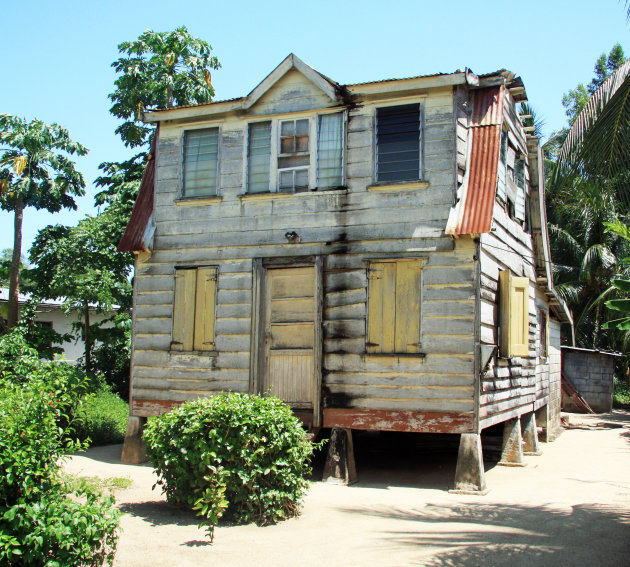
[237, 456]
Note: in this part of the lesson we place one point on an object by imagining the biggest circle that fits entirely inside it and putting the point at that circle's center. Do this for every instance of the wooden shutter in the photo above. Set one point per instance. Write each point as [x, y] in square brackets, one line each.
[394, 298]
[398, 143]
[514, 316]
[408, 305]
[184, 309]
[204, 308]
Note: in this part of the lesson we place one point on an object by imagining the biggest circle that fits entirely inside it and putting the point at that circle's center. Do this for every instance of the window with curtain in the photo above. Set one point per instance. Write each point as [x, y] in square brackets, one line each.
[201, 162]
[330, 150]
[398, 143]
[259, 157]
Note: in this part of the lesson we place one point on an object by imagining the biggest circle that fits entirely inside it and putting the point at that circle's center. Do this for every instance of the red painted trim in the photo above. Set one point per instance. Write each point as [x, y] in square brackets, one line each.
[147, 408]
[414, 421]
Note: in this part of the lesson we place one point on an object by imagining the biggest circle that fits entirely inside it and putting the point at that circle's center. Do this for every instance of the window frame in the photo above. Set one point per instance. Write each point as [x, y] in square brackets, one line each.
[421, 142]
[379, 349]
[313, 134]
[182, 192]
[194, 343]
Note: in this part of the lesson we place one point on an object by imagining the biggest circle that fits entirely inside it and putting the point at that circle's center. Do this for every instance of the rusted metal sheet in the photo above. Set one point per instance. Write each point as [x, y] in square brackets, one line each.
[412, 421]
[147, 408]
[133, 239]
[475, 216]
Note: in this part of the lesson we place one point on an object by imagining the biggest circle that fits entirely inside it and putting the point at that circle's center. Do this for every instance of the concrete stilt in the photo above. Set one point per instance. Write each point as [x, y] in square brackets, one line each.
[470, 474]
[542, 419]
[340, 467]
[512, 453]
[133, 449]
[530, 435]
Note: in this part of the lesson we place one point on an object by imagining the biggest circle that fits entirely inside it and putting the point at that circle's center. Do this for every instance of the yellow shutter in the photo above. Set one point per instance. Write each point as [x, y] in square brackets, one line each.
[408, 305]
[204, 308]
[184, 309]
[394, 298]
[514, 315]
[375, 308]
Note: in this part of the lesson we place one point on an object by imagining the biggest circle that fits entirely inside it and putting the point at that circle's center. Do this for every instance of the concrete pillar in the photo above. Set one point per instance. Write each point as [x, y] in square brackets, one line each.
[133, 449]
[530, 435]
[543, 419]
[340, 467]
[470, 473]
[512, 453]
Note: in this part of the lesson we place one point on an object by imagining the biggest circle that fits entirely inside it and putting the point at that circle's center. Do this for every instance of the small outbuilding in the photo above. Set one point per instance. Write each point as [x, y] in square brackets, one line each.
[591, 373]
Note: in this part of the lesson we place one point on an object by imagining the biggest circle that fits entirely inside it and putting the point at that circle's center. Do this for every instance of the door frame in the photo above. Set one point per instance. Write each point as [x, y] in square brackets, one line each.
[257, 343]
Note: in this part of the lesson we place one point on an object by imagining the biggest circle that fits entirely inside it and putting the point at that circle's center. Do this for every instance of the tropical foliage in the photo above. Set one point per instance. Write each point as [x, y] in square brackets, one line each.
[158, 70]
[35, 171]
[586, 191]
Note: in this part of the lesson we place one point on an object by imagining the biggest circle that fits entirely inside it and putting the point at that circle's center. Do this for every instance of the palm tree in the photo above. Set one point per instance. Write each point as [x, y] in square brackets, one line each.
[34, 172]
[598, 143]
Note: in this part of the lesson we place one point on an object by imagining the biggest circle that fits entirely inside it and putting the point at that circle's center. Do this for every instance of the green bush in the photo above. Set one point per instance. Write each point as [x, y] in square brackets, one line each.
[105, 419]
[43, 521]
[236, 456]
[621, 395]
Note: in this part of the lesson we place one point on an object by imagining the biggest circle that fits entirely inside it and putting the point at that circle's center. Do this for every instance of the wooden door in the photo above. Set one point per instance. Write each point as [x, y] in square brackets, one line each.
[290, 335]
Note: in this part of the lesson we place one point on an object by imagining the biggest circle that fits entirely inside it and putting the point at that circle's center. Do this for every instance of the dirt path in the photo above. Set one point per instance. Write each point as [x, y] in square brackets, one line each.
[570, 506]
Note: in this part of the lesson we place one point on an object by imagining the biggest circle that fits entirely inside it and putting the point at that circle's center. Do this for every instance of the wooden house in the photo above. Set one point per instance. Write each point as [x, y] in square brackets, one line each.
[374, 254]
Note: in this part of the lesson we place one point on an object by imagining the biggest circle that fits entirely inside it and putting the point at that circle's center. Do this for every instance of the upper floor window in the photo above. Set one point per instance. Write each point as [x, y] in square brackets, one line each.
[398, 143]
[201, 162]
[307, 154]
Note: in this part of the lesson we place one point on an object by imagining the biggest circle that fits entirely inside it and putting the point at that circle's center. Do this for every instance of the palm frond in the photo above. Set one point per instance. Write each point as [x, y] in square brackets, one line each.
[600, 135]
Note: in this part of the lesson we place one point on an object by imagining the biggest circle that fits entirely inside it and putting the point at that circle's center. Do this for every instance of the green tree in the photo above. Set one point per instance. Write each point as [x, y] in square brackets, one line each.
[83, 265]
[35, 171]
[6, 259]
[158, 70]
[582, 197]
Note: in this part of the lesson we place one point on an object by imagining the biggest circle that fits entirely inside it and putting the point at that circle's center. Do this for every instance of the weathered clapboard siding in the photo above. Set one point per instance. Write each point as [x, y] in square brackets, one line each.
[509, 387]
[355, 380]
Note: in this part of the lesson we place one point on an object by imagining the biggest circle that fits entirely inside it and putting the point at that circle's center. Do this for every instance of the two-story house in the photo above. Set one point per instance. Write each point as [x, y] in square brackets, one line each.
[374, 254]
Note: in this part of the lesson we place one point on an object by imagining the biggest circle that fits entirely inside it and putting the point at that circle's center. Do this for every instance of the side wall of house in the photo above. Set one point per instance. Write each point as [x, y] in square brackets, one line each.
[511, 386]
[346, 229]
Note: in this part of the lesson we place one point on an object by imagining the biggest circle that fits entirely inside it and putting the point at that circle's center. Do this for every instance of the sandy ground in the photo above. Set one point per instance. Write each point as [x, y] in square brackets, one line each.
[567, 507]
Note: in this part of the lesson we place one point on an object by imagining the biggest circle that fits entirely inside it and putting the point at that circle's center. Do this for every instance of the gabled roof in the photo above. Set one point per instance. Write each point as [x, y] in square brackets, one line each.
[326, 85]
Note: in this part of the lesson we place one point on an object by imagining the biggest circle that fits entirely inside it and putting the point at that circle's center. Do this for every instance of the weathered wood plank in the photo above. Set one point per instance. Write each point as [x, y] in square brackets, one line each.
[420, 422]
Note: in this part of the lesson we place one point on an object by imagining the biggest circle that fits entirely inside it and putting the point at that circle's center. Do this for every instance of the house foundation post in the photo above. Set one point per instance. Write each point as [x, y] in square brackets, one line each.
[340, 467]
[512, 453]
[530, 435]
[470, 474]
[133, 448]
[542, 419]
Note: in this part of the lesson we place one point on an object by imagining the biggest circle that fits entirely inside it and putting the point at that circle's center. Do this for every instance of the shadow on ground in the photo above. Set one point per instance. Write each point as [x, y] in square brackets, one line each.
[469, 535]
[408, 460]
[159, 513]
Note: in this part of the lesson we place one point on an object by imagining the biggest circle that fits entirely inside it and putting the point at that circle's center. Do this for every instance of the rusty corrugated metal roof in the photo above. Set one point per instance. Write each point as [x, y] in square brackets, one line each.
[476, 214]
[133, 238]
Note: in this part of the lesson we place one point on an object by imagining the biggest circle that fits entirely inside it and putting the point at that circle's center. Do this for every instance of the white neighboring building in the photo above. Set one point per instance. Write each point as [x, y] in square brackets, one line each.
[51, 312]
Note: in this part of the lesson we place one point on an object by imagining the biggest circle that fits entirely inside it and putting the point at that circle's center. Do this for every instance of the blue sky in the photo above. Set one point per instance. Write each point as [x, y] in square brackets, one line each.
[56, 56]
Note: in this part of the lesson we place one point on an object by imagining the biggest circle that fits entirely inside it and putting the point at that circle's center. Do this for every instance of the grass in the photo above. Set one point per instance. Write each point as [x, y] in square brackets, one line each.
[621, 395]
[94, 482]
[106, 419]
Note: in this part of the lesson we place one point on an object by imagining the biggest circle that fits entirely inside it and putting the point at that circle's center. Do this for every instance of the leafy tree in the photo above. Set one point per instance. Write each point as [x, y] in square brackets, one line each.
[34, 172]
[158, 70]
[582, 197]
[6, 258]
[82, 264]
[599, 139]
